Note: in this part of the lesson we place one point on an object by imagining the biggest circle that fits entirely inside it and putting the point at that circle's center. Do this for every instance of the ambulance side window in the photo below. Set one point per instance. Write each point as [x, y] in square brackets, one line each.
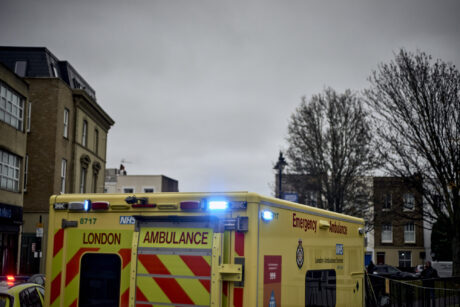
[320, 288]
[100, 280]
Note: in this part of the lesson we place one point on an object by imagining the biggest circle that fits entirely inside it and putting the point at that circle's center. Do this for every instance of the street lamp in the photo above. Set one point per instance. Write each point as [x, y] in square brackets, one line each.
[280, 166]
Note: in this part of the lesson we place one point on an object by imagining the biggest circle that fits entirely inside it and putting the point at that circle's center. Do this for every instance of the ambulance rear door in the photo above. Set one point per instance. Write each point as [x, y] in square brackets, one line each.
[177, 260]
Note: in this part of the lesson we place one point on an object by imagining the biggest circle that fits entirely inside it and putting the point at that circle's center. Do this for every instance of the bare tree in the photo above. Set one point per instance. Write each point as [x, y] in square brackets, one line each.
[417, 103]
[330, 141]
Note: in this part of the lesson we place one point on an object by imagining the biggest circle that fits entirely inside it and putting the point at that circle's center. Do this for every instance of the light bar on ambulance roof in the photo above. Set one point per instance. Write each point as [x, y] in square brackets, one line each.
[236, 205]
[61, 206]
[191, 205]
[217, 205]
[80, 206]
[143, 205]
[100, 205]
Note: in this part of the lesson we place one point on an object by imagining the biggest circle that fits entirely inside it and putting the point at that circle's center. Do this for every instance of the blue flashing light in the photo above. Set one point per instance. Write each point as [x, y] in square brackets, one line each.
[87, 205]
[267, 215]
[218, 205]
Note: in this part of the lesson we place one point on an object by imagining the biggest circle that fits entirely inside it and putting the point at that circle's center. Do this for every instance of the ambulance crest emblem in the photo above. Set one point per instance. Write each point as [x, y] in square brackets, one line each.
[299, 255]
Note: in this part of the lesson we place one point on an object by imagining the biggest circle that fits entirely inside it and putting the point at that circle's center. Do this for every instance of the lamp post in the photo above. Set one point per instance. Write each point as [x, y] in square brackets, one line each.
[280, 166]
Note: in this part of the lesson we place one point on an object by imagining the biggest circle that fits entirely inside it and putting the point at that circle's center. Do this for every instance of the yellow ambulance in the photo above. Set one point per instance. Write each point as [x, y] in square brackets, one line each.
[234, 249]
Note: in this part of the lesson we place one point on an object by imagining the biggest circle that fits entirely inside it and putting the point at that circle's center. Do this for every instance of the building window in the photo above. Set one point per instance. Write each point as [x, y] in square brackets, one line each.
[148, 190]
[9, 171]
[387, 201]
[66, 123]
[128, 190]
[29, 116]
[96, 141]
[409, 201]
[54, 71]
[76, 84]
[63, 174]
[95, 182]
[11, 108]
[409, 233]
[83, 172]
[405, 259]
[387, 233]
[20, 68]
[84, 133]
[26, 171]
[85, 161]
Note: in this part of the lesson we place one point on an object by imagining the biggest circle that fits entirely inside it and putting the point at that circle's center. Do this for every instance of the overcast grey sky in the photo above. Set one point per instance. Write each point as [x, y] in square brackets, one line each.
[202, 91]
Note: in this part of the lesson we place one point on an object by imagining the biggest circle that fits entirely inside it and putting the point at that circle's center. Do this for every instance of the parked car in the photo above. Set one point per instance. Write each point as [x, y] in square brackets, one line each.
[389, 271]
[22, 295]
[37, 279]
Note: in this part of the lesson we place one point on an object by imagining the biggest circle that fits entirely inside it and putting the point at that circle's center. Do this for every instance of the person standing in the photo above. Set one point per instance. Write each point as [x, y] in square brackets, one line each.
[370, 268]
[428, 275]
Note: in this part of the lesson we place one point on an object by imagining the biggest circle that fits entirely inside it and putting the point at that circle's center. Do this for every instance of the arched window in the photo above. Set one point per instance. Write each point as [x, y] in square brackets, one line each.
[84, 162]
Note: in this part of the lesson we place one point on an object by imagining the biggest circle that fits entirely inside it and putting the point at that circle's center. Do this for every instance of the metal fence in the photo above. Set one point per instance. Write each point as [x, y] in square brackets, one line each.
[382, 291]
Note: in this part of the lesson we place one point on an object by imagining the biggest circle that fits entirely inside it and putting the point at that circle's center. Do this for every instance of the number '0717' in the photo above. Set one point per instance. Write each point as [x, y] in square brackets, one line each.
[88, 220]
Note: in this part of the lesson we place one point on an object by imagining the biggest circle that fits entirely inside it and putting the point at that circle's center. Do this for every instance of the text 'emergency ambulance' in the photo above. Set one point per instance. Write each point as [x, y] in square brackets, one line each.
[172, 237]
[303, 223]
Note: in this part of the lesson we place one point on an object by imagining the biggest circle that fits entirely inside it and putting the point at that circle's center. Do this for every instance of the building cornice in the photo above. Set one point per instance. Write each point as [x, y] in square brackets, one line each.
[84, 101]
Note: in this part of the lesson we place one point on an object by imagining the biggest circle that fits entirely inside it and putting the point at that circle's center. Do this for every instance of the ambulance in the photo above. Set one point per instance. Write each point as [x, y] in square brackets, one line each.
[235, 249]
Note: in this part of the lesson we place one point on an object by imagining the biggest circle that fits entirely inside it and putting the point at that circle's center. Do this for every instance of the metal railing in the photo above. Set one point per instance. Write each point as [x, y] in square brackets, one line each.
[381, 291]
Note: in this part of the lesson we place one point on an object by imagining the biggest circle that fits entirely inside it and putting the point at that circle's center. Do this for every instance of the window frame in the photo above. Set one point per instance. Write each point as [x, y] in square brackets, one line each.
[16, 68]
[10, 171]
[144, 188]
[26, 172]
[54, 71]
[83, 174]
[84, 133]
[388, 230]
[11, 107]
[128, 187]
[29, 116]
[95, 177]
[96, 141]
[406, 198]
[406, 260]
[63, 175]
[66, 123]
[408, 231]
[387, 202]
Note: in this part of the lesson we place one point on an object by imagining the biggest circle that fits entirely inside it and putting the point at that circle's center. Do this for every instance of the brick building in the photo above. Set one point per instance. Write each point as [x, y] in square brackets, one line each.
[14, 124]
[66, 144]
[398, 229]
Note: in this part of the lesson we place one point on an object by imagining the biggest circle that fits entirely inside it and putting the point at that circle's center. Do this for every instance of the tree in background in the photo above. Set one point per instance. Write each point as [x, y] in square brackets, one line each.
[329, 141]
[417, 103]
[441, 246]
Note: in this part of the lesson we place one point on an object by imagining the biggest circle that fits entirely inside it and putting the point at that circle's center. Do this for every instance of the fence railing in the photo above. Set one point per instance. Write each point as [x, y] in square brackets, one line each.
[382, 291]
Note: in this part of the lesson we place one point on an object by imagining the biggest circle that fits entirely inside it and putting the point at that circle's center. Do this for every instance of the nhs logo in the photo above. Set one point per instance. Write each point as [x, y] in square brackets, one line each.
[339, 249]
[127, 220]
